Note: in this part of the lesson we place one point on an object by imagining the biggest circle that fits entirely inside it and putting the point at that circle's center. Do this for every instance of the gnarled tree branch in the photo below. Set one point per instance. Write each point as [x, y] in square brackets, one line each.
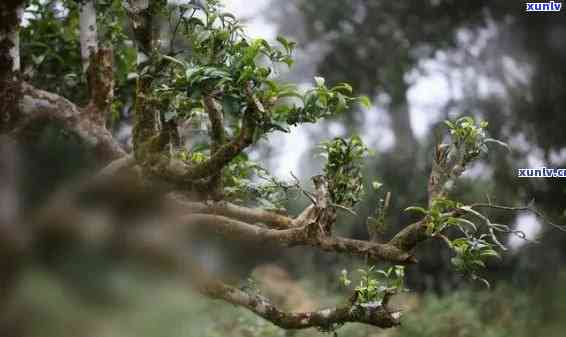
[326, 319]
[39, 105]
[218, 138]
[308, 235]
[230, 210]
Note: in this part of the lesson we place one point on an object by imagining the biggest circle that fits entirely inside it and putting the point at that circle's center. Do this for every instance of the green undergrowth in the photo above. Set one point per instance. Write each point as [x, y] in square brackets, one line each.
[146, 306]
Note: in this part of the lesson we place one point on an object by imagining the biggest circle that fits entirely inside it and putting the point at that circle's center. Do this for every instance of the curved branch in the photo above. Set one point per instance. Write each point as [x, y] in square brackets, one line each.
[326, 319]
[307, 235]
[217, 136]
[522, 209]
[226, 152]
[409, 237]
[224, 208]
[36, 104]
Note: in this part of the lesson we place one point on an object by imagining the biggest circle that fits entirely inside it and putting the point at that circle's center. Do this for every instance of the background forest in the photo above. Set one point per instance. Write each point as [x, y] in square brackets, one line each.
[420, 63]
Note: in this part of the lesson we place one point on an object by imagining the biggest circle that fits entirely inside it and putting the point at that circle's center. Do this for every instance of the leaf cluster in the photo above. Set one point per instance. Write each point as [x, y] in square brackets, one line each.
[54, 66]
[471, 253]
[220, 60]
[374, 283]
[343, 169]
[469, 138]
[472, 249]
[248, 182]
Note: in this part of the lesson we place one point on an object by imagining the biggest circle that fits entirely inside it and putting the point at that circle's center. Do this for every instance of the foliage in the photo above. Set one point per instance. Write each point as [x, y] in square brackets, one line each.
[470, 252]
[149, 307]
[376, 224]
[375, 284]
[50, 49]
[457, 314]
[343, 169]
[469, 138]
[473, 248]
[50, 53]
[222, 61]
[246, 181]
[112, 33]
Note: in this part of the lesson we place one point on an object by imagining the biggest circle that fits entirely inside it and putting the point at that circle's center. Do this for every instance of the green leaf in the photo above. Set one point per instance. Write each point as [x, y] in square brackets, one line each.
[449, 124]
[37, 60]
[288, 45]
[376, 185]
[468, 223]
[365, 102]
[343, 87]
[174, 60]
[416, 209]
[490, 252]
[478, 263]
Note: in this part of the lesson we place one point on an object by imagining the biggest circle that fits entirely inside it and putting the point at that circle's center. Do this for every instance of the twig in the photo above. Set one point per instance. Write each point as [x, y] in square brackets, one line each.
[307, 194]
[522, 209]
[347, 209]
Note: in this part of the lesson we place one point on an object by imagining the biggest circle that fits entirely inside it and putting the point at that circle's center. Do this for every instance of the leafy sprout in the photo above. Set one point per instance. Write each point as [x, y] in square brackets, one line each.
[374, 284]
[376, 224]
[343, 169]
[469, 140]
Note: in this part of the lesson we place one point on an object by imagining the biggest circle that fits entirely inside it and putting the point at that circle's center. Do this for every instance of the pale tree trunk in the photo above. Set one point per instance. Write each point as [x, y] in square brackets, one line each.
[15, 38]
[89, 42]
[10, 15]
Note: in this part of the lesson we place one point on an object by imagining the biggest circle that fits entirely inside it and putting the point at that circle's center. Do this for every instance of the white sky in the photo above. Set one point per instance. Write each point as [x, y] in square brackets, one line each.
[528, 224]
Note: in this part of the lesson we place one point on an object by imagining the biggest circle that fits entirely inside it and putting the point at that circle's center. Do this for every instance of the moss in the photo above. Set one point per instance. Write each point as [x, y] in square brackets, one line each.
[100, 79]
[144, 122]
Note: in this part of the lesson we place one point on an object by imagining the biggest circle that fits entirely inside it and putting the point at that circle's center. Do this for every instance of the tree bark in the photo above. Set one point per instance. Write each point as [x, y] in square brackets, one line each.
[87, 24]
[10, 15]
